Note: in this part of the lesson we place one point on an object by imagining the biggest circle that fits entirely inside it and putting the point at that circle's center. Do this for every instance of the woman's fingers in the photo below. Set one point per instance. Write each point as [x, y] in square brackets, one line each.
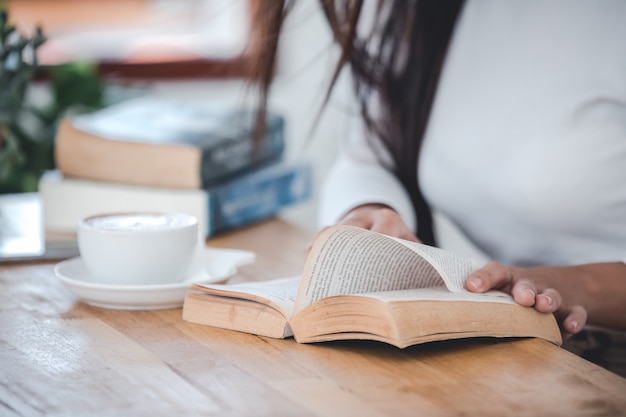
[548, 301]
[571, 319]
[495, 276]
[388, 222]
[492, 276]
[379, 218]
[525, 293]
[376, 217]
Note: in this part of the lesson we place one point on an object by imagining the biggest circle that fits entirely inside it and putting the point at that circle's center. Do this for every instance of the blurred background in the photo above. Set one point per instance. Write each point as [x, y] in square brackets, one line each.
[97, 52]
[189, 49]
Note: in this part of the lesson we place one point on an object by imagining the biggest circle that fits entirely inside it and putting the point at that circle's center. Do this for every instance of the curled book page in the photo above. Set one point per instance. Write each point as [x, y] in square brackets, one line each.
[351, 260]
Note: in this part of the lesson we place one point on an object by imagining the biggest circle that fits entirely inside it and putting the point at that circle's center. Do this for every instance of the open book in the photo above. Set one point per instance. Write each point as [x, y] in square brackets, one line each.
[359, 284]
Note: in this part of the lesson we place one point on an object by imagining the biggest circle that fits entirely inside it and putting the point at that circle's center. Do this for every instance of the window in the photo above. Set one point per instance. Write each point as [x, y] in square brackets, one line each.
[142, 38]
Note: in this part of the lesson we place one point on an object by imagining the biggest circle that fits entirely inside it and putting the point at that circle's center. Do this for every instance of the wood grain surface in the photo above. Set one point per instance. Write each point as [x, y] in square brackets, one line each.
[61, 357]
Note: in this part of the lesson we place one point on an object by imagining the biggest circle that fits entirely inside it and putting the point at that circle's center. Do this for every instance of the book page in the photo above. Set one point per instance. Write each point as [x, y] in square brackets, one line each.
[452, 268]
[351, 260]
[441, 293]
[279, 293]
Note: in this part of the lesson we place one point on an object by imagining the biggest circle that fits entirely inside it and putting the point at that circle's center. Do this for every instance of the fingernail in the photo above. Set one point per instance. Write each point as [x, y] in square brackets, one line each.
[574, 325]
[549, 300]
[475, 282]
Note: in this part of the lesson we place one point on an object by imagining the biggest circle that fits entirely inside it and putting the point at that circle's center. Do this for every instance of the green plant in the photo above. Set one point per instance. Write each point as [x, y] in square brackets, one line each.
[26, 131]
[19, 61]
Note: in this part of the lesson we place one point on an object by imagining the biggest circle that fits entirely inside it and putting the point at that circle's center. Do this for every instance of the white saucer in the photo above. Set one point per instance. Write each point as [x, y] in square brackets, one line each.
[219, 265]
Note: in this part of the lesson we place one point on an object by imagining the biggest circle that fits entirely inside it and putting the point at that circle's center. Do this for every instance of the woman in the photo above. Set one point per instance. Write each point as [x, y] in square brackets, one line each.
[509, 118]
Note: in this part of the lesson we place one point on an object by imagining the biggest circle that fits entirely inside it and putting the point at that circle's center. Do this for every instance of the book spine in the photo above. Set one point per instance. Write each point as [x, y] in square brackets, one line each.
[259, 195]
[233, 157]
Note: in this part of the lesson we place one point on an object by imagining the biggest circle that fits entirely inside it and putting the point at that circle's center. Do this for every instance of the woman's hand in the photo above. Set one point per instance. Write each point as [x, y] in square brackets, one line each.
[376, 217]
[528, 288]
[379, 218]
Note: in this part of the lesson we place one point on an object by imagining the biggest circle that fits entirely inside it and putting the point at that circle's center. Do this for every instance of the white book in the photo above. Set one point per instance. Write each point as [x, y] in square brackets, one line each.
[65, 201]
[251, 197]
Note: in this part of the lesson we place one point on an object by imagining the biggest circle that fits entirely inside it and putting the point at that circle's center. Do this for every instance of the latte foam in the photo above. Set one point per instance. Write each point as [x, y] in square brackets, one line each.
[140, 221]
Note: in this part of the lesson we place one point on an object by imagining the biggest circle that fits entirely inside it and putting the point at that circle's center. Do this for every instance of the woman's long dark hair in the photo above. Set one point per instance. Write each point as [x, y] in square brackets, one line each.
[399, 60]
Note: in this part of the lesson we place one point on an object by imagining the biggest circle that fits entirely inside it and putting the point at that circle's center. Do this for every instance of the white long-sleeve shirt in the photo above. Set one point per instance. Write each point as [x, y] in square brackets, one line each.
[525, 149]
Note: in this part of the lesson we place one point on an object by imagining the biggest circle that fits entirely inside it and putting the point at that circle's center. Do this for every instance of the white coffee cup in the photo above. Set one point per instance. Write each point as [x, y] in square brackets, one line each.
[138, 248]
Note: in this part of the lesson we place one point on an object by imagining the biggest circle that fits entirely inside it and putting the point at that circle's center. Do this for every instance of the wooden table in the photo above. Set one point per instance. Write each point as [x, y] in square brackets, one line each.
[61, 357]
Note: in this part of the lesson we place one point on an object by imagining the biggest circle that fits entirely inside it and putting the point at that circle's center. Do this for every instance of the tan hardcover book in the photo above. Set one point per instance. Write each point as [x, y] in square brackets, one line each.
[164, 143]
[359, 284]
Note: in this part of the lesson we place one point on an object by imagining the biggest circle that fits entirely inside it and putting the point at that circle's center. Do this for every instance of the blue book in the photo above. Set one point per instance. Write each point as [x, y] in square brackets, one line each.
[259, 194]
[248, 198]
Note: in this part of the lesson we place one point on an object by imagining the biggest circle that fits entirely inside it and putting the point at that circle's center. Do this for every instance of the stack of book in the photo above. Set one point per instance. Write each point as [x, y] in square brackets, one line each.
[159, 154]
